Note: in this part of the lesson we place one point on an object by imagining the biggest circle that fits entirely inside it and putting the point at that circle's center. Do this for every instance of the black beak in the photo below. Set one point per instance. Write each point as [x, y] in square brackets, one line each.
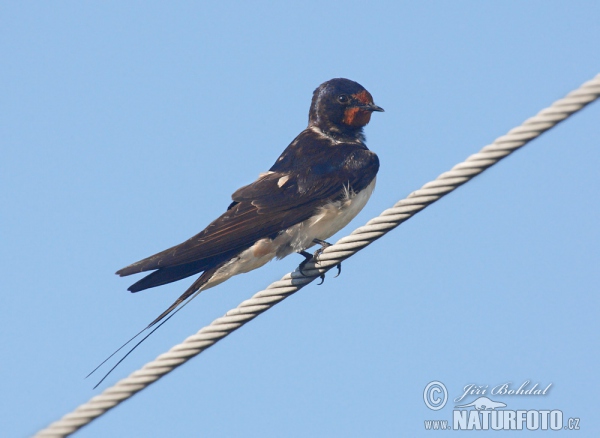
[372, 107]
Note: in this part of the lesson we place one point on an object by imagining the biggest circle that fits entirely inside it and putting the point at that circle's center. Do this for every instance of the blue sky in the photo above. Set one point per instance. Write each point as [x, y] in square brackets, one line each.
[126, 127]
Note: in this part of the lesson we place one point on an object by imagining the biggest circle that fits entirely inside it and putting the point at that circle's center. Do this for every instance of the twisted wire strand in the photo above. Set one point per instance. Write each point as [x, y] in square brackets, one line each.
[330, 257]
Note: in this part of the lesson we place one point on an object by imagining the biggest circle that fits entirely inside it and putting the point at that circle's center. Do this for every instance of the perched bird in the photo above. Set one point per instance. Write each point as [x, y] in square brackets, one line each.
[315, 188]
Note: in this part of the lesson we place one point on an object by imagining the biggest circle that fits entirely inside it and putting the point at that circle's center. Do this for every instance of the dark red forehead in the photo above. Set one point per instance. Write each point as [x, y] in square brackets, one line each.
[363, 97]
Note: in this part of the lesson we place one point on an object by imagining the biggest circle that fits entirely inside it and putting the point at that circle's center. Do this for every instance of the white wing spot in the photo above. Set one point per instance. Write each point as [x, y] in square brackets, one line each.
[282, 181]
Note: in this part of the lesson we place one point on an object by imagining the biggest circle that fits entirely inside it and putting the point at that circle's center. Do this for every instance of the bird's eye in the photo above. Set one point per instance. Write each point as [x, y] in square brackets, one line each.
[343, 98]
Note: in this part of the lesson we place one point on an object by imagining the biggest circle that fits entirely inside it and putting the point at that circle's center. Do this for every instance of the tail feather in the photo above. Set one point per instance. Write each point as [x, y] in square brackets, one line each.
[192, 291]
[196, 285]
[168, 275]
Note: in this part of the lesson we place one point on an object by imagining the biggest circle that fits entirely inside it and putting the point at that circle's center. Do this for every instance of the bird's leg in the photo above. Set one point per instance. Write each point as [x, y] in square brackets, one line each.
[324, 245]
[308, 256]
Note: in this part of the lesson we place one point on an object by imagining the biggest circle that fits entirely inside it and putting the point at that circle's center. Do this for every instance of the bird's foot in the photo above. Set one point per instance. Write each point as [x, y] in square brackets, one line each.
[308, 256]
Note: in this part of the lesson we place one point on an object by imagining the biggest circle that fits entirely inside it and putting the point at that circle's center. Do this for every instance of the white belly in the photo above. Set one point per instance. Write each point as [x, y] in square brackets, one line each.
[328, 221]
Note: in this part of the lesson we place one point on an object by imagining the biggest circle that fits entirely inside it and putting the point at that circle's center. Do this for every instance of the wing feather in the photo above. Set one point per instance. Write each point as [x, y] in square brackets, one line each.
[273, 203]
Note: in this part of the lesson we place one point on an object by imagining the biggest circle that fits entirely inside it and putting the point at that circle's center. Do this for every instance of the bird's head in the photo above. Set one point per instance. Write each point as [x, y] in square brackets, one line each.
[341, 107]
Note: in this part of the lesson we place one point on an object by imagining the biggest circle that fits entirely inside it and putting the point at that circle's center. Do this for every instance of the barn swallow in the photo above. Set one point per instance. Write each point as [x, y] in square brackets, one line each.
[319, 183]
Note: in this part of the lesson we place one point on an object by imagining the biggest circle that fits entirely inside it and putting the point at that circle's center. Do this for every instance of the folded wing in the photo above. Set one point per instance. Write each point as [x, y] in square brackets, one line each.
[273, 203]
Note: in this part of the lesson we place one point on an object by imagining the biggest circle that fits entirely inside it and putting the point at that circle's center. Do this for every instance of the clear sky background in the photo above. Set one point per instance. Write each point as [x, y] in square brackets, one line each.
[126, 126]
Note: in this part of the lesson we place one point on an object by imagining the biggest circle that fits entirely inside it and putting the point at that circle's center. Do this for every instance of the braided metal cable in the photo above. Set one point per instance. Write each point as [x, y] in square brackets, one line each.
[331, 256]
